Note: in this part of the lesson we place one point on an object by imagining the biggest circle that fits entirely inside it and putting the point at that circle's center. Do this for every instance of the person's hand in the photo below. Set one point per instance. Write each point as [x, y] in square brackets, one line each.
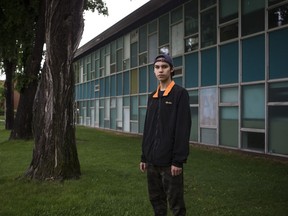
[175, 170]
[143, 166]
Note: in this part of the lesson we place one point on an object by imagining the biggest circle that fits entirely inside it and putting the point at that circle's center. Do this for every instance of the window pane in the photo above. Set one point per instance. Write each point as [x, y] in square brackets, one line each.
[193, 97]
[229, 63]
[143, 100]
[229, 95]
[191, 43]
[229, 32]
[208, 28]
[142, 114]
[164, 30]
[176, 15]
[208, 75]
[152, 27]
[253, 16]
[278, 92]
[195, 123]
[134, 55]
[278, 16]
[206, 3]
[119, 84]
[253, 106]
[208, 136]
[272, 2]
[191, 70]
[278, 52]
[126, 83]
[152, 49]
[177, 39]
[278, 124]
[143, 39]
[228, 10]
[143, 59]
[143, 80]
[253, 59]
[134, 108]
[253, 141]
[134, 81]
[119, 62]
[229, 128]
[208, 104]
[191, 17]
[152, 79]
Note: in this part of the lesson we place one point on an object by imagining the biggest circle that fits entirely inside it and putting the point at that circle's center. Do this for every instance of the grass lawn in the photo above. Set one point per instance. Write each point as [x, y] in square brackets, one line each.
[217, 182]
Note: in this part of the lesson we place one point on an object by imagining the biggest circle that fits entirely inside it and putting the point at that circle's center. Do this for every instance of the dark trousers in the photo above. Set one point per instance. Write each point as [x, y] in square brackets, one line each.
[163, 187]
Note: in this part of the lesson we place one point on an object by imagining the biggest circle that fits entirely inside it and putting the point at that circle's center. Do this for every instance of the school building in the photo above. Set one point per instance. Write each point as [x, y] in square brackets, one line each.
[231, 56]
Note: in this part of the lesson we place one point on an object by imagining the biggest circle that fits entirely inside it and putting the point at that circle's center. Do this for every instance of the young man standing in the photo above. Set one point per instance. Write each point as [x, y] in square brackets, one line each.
[165, 145]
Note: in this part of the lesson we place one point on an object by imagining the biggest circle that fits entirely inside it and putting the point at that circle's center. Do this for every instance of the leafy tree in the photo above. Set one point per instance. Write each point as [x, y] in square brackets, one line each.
[55, 153]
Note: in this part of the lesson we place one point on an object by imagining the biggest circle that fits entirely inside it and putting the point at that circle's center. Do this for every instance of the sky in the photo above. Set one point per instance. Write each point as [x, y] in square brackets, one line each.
[95, 24]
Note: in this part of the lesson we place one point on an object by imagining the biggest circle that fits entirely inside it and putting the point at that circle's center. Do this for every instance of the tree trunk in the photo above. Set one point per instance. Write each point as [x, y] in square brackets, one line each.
[55, 153]
[9, 67]
[23, 120]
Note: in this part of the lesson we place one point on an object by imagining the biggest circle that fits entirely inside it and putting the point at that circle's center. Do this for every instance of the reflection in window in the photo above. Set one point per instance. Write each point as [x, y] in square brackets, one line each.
[278, 124]
[208, 28]
[229, 126]
[229, 32]
[206, 3]
[253, 106]
[253, 16]
[191, 17]
[191, 43]
[278, 92]
[272, 2]
[228, 10]
[278, 16]
[164, 50]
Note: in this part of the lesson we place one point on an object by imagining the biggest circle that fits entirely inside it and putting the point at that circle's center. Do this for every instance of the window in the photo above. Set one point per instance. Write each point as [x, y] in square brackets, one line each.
[229, 63]
[206, 3]
[278, 124]
[191, 70]
[278, 92]
[278, 52]
[278, 16]
[208, 28]
[253, 59]
[208, 105]
[228, 10]
[229, 32]
[229, 96]
[192, 43]
[253, 106]
[191, 17]
[176, 15]
[228, 128]
[143, 39]
[253, 140]
[134, 81]
[253, 16]
[164, 30]
[177, 39]
[209, 71]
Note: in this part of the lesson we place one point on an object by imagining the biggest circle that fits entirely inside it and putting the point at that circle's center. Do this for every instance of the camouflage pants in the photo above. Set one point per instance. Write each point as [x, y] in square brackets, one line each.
[163, 187]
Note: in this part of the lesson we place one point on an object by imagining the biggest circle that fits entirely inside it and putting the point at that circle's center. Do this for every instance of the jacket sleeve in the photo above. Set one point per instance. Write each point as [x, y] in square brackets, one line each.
[182, 130]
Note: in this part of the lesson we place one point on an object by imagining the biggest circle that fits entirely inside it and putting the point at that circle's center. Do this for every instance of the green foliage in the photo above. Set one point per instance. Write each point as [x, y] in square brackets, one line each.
[98, 5]
[217, 183]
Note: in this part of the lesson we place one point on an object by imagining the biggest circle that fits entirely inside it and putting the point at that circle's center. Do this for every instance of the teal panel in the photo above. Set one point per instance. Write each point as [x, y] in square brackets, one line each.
[191, 70]
[178, 61]
[126, 83]
[229, 63]
[253, 59]
[113, 85]
[152, 79]
[119, 84]
[102, 87]
[143, 80]
[178, 81]
[209, 69]
[278, 52]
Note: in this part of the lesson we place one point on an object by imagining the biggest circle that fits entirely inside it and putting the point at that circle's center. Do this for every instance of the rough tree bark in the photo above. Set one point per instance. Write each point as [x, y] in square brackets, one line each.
[23, 120]
[55, 153]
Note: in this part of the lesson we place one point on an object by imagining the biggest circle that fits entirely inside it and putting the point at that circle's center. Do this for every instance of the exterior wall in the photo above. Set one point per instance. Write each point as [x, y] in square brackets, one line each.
[230, 55]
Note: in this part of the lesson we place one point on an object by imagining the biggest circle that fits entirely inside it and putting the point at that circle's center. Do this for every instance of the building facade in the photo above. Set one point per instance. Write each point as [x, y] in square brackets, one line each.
[231, 55]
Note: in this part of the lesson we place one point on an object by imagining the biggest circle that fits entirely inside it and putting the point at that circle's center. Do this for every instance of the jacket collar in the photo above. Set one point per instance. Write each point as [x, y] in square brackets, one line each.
[167, 90]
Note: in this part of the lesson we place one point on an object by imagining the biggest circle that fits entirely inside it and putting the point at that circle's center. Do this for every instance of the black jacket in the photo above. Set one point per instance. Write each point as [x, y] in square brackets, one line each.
[167, 127]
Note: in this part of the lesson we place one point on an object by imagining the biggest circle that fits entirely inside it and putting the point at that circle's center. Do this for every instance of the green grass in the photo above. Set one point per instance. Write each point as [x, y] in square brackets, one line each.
[217, 182]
